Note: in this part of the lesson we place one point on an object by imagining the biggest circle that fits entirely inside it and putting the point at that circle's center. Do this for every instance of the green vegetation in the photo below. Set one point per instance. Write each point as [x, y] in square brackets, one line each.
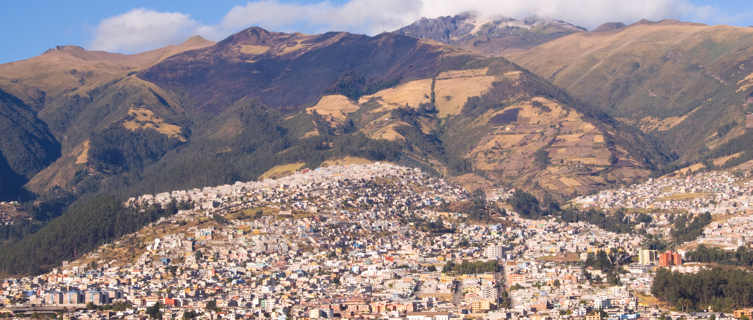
[608, 263]
[117, 149]
[685, 229]
[433, 227]
[505, 301]
[26, 146]
[88, 223]
[654, 242]
[154, 311]
[212, 306]
[720, 289]
[471, 267]
[743, 256]
[541, 157]
[529, 207]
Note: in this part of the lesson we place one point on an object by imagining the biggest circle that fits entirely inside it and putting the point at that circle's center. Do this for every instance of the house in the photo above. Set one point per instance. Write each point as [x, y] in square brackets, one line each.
[747, 312]
[428, 316]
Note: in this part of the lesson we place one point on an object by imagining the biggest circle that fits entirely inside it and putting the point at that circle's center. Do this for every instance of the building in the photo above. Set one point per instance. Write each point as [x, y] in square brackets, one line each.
[593, 316]
[428, 316]
[740, 313]
[73, 297]
[95, 297]
[494, 252]
[676, 259]
[647, 257]
[54, 298]
[481, 305]
[669, 258]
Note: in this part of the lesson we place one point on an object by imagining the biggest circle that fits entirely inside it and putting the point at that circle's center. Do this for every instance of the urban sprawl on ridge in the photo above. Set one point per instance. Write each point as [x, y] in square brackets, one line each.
[382, 241]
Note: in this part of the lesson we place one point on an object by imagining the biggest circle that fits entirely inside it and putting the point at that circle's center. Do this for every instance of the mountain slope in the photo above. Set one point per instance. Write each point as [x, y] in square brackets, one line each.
[291, 70]
[685, 83]
[26, 147]
[257, 100]
[232, 110]
[66, 71]
[491, 36]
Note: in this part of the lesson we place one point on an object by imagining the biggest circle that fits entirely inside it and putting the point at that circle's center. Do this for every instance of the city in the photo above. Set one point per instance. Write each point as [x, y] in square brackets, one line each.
[375, 241]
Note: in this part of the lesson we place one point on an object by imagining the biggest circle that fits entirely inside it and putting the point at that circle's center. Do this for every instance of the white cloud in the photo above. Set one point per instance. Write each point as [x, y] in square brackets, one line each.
[142, 29]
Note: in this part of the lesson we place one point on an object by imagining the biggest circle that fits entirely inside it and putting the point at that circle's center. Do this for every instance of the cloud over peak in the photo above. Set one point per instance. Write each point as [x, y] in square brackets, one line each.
[143, 29]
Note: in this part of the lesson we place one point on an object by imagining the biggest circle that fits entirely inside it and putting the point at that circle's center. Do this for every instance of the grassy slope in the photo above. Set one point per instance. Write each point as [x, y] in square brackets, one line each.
[683, 76]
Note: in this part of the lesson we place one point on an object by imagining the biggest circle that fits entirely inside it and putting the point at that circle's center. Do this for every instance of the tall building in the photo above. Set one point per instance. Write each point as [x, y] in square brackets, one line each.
[73, 297]
[494, 252]
[676, 259]
[54, 298]
[665, 259]
[669, 258]
[647, 257]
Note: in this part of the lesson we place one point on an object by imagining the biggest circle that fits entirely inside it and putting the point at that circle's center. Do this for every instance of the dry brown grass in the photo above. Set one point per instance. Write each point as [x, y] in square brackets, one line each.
[53, 72]
[388, 133]
[596, 161]
[230, 129]
[146, 119]
[648, 124]
[282, 170]
[312, 133]
[412, 94]
[290, 49]
[570, 182]
[451, 94]
[562, 258]
[83, 156]
[745, 83]
[469, 73]
[254, 49]
[684, 196]
[689, 169]
[345, 161]
[722, 160]
[335, 106]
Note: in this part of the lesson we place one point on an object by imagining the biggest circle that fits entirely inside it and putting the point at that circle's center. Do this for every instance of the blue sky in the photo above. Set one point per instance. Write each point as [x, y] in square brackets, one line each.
[30, 27]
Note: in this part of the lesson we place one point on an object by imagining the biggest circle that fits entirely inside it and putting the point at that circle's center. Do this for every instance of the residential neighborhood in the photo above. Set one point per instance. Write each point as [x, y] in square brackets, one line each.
[376, 241]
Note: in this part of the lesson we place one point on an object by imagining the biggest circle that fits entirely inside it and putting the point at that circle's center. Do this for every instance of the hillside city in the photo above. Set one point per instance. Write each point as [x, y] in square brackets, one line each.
[378, 241]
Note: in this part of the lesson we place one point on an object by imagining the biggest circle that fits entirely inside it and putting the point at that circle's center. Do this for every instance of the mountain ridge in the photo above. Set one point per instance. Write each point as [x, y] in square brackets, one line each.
[681, 82]
[415, 95]
[489, 35]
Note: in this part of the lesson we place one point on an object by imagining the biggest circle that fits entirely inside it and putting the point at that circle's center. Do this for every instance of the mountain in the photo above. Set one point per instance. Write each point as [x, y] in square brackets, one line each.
[687, 84]
[77, 93]
[443, 108]
[204, 113]
[66, 71]
[261, 103]
[26, 147]
[491, 36]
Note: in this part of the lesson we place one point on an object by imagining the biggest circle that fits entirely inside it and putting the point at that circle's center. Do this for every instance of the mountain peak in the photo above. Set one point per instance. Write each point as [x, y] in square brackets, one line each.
[489, 34]
[65, 48]
[609, 26]
[666, 22]
[195, 40]
[252, 35]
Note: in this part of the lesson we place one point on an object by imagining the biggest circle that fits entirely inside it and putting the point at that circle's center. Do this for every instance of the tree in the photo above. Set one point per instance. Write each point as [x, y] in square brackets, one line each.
[212, 306]
[154, 311]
